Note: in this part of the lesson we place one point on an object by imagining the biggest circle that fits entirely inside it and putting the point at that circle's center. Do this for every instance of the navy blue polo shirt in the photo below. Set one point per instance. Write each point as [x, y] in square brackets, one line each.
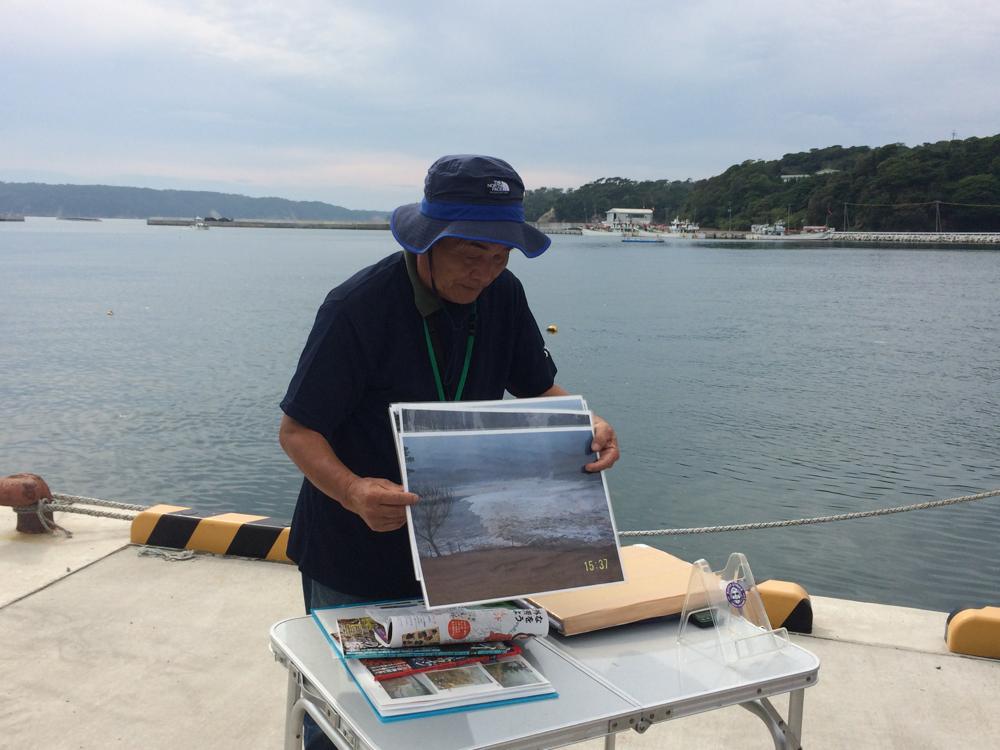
[366, 350]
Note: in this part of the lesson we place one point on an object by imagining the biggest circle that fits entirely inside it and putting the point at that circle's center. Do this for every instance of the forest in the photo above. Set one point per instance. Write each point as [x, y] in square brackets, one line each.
[949, 186]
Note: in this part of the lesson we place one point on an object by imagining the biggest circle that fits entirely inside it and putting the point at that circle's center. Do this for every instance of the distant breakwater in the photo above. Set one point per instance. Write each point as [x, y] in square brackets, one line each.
[269, 224]
[941, 238]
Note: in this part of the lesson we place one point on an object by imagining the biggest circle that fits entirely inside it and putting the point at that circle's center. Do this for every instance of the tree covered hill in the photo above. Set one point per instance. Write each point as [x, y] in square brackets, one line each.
[891, 187]
[105, 201]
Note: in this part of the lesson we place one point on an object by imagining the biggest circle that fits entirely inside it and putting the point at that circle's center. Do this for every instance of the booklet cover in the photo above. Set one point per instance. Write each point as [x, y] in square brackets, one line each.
[402, 627]
[461, 687]
[384, 669]
[505, 510]
[355, 635]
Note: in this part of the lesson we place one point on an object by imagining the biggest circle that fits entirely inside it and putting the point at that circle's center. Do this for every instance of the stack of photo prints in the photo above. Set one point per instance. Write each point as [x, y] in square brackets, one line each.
[506, 509]
[410, 661]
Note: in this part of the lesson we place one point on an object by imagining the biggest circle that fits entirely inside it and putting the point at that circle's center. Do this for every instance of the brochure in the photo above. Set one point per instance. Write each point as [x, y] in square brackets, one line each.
[384, 669]
[460, 687]
[356, 635]
[416, 626]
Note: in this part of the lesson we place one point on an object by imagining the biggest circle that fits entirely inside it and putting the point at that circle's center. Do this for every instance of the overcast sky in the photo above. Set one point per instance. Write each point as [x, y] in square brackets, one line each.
[349, 102]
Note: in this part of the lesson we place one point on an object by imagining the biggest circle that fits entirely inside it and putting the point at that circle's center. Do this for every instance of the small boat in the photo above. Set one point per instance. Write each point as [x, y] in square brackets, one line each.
[642, 237]
[199, 223]
[777, 232]
[685, 229]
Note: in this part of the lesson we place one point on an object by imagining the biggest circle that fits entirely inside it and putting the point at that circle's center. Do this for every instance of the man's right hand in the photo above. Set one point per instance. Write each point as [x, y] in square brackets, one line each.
[381, 503]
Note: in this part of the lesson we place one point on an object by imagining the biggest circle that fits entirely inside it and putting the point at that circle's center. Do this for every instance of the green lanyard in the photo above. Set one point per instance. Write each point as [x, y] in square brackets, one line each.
[465, 367]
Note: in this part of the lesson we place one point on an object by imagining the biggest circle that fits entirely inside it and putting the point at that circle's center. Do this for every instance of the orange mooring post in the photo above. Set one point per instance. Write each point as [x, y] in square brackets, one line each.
[19, 490]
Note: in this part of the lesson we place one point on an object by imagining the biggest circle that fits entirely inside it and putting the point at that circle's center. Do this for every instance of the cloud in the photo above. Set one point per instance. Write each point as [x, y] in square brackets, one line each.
[276, 95]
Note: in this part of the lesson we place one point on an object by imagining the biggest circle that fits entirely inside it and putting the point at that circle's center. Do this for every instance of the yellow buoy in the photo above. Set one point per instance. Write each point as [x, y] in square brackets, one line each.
[553, 328]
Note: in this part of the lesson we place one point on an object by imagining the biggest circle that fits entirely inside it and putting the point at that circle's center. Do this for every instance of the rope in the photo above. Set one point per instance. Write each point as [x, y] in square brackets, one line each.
[58, 497]
[818, 519]
[68, 505]
[44, 505]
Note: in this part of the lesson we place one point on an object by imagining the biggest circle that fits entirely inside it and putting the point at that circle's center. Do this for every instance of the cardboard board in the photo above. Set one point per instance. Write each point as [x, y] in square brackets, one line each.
[656, 583]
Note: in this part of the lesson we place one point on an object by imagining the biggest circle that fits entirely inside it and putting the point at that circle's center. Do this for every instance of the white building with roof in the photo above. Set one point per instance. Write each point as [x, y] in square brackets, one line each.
[616, 217]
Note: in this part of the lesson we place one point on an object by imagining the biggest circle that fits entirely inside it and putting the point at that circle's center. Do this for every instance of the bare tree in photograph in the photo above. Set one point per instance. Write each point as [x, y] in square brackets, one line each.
[429, 515]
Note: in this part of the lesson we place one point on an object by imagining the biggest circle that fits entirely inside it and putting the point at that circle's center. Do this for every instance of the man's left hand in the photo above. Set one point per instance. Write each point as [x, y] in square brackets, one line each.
[606, 444]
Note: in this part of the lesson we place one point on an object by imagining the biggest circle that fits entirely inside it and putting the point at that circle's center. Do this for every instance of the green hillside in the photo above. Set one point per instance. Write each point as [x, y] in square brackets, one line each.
[951, 185]
[105, 201]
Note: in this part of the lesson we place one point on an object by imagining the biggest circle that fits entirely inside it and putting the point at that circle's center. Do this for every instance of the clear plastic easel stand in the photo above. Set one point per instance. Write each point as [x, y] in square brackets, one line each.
[723, 615]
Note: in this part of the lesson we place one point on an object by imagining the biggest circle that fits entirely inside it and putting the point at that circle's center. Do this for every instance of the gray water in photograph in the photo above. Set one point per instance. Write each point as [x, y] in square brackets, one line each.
[746, 382]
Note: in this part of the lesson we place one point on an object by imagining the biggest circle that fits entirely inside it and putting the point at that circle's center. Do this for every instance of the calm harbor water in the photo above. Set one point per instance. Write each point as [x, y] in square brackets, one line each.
[747, 383]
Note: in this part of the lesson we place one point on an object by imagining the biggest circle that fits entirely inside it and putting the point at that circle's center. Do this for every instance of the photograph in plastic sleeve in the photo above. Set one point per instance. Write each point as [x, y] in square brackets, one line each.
[557, 403]
[449, 420]
[507, 514]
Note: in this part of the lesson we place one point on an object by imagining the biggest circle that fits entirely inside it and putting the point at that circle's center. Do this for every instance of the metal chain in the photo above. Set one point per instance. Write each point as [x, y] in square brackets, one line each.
[818, 519]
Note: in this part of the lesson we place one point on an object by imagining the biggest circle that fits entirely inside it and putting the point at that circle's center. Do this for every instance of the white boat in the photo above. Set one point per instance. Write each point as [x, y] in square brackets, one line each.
[619, 231]
[199, 223]
[777, 231]
[685, 229]
[683, 226]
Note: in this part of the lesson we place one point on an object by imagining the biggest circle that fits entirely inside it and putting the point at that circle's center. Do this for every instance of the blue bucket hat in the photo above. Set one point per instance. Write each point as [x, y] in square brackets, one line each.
[473, 198]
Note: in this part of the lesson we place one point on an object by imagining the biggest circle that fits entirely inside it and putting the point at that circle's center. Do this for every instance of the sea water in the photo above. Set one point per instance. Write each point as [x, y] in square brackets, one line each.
[747, 382]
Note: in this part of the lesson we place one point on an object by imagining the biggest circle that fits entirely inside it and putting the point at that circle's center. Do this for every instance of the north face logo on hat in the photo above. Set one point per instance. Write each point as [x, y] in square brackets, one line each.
[497, 187]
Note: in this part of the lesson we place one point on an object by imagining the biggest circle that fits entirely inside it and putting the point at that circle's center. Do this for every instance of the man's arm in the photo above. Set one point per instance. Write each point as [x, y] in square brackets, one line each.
[381, 503]
[605, 440]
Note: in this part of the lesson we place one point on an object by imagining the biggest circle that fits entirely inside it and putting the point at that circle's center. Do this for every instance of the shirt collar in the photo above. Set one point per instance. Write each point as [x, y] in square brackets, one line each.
[426, 301]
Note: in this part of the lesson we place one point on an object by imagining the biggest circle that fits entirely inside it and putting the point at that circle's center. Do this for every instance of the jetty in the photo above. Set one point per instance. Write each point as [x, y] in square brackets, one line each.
[937, 238]
[267, 223]
[107, 643]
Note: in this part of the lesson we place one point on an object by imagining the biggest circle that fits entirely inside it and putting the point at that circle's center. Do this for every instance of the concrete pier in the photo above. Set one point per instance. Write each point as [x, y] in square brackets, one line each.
[937, 238]
[106, 647]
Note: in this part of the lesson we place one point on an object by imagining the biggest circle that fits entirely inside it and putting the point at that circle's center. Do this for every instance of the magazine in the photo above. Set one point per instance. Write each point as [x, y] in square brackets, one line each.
[459, 687]
[355, 635]
[384, 669]
[407, 627]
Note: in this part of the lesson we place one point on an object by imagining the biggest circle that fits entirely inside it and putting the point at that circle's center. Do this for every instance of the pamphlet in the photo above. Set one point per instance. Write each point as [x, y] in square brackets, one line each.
[416, 626]
[496, 681]
[384, 669]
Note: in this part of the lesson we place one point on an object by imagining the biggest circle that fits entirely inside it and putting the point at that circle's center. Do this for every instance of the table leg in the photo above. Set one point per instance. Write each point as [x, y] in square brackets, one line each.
[786, 736]
[609, 741]
[293, 713]
[796, 702]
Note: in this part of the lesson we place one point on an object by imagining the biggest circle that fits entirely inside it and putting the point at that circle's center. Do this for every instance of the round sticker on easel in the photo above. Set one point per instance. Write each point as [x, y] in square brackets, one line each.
[736, 594]
[459, 629]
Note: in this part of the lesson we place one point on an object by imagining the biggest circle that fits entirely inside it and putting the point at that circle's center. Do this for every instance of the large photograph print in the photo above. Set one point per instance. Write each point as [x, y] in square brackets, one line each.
[507, 513]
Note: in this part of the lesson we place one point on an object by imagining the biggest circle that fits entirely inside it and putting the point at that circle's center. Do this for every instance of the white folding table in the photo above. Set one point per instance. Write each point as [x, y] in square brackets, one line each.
[608, 682]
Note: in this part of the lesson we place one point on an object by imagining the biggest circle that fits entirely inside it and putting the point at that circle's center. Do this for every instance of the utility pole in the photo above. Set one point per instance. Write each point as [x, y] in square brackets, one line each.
[845, 216]
[730, 217]
[937, 216]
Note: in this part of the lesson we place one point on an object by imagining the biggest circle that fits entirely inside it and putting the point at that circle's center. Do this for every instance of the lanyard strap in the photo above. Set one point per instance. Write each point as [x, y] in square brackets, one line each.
[465, 366]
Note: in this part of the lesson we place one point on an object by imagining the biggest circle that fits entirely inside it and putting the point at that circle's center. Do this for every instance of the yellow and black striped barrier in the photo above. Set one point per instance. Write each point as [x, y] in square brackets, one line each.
[787, 605]
[235, 534]
[974, 632]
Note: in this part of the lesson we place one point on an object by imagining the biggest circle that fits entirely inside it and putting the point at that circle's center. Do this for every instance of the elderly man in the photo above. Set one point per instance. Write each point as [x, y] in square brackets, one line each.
[442, 320]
